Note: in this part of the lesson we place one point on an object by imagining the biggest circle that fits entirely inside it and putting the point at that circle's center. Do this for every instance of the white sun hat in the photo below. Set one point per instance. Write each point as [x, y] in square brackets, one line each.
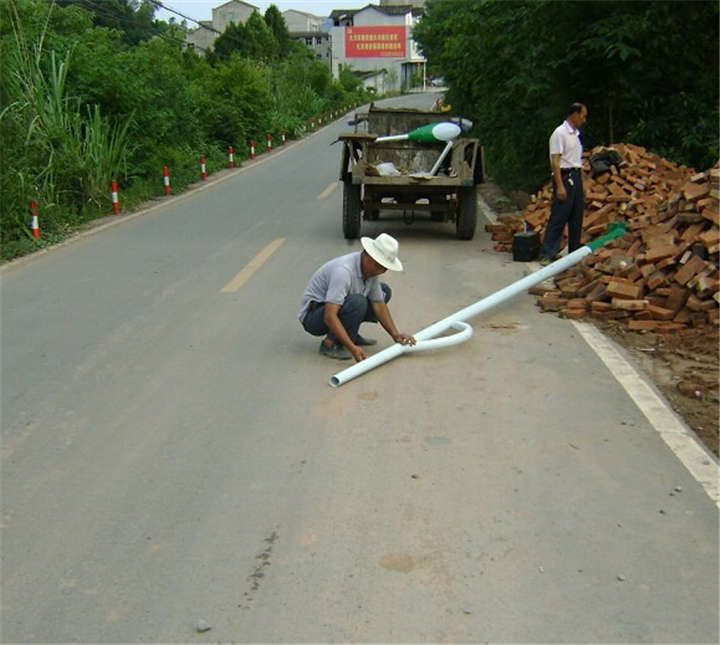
[383, 249]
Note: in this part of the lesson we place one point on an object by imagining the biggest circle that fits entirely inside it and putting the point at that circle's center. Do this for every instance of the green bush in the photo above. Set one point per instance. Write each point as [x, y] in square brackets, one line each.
[648, 72]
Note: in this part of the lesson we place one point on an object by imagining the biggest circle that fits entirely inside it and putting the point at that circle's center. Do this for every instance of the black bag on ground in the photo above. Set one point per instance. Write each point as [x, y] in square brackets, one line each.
[526, 246]
[602, 161]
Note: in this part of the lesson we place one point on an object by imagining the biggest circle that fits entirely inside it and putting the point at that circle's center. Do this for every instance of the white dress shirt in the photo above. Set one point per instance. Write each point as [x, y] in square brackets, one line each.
[565, 141]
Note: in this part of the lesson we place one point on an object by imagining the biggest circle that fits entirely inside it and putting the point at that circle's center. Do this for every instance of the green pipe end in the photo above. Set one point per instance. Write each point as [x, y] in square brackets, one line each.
[614, 230]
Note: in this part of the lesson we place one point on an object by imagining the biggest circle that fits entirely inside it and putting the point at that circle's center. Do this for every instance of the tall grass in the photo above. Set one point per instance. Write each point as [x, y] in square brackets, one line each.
[63, 158]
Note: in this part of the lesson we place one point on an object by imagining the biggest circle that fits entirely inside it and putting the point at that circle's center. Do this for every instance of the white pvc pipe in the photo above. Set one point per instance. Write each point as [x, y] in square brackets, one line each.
[460, 317]
[465, 331]
[441, 158]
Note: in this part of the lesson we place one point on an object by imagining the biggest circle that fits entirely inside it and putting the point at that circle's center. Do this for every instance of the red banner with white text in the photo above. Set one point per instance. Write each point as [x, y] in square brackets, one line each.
[374, 42]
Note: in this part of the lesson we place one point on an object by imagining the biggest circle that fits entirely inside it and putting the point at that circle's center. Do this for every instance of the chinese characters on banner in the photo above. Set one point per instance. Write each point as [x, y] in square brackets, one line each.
[374, 42]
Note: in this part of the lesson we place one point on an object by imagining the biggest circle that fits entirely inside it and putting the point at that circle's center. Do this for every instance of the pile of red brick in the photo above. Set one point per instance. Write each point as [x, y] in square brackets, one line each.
[662, 274]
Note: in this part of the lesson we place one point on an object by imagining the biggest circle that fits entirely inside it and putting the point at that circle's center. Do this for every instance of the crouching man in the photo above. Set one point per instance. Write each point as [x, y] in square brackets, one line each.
[345, 292]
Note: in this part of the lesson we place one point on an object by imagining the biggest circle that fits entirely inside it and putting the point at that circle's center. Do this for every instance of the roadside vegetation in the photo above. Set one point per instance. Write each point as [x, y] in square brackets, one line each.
[647, 70]
[95, 90]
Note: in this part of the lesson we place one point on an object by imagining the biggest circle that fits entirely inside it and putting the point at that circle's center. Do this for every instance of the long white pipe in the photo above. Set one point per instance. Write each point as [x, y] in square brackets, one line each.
[460, 317]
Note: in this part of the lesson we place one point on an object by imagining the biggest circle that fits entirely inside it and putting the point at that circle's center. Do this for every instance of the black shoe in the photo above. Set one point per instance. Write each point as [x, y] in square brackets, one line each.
[545, 261]
[335, 351]
[365, 342]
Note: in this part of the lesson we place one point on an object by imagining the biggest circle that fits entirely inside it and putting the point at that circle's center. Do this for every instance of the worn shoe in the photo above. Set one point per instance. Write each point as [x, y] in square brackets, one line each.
[365, 342]
[545, 261]
[335, 351]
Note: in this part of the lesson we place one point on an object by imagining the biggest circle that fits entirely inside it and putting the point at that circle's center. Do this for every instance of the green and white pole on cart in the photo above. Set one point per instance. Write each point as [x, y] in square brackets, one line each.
[427, 338]
[430, 133]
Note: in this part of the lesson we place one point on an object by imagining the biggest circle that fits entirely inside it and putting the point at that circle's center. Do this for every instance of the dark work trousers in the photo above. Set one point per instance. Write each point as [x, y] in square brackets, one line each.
[569, 212]
[355, 310]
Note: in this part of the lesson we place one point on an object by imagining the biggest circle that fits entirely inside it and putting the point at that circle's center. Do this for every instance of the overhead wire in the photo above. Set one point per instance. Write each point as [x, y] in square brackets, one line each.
[95, 7]
[200, 24]
[157, 3]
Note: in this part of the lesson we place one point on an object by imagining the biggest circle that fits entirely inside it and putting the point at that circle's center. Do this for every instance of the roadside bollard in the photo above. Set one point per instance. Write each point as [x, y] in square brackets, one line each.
[252, 150]
[203, 172]
[114, 197]
[34, 225]
[231, 157]
[312, 124]
[282, 135]
[268, 140]
[166, 179]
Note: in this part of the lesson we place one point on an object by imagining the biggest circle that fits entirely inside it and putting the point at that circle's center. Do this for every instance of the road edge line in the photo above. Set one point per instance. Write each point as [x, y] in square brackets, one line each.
[672, 429]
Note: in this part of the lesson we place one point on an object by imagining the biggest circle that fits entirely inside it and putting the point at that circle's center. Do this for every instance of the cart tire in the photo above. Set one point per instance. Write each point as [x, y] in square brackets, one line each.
[351, 210]
[467, 213]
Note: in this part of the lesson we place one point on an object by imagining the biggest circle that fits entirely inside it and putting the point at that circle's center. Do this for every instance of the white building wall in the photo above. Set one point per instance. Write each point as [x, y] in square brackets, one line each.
[202, 38]
[233, 11]
[301, 21]
[397, 67]
[373, 18]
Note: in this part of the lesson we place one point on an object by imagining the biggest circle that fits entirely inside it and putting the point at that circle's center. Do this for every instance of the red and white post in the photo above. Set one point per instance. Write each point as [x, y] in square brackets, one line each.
[166, 179]
[282, 135]
[114, 197]
[34, 225]
[203, 171]
[268, 140]
[312, 124]
[252, 150]
[231, 157]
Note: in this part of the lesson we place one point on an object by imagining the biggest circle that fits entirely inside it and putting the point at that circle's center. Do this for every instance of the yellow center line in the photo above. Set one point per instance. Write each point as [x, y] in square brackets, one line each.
[251, 267]
[328, 190]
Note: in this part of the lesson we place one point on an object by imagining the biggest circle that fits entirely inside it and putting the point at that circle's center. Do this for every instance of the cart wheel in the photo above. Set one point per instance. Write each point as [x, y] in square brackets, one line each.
[351, 210]
[467, 213]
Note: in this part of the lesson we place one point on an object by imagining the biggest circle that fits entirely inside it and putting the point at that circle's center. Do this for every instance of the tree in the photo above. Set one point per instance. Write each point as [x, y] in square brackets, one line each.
[133, 17]
[262, 44]
[647, 70]
[276, 23]
[233, 40]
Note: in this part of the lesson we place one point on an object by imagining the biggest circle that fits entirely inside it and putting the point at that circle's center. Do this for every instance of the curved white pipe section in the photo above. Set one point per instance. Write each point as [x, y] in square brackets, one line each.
[465, 331]
[459, 318]
[395, 350]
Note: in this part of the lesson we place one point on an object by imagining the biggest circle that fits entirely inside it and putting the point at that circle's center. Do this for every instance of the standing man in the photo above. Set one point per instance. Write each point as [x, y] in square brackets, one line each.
[568, 199]
[345, 292]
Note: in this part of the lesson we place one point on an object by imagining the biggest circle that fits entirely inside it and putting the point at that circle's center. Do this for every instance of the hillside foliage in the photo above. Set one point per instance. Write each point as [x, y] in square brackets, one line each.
[95, 90]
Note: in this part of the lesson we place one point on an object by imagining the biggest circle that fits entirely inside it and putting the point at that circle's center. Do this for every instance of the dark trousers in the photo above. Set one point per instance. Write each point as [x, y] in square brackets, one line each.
[355, 310]
[569, 212]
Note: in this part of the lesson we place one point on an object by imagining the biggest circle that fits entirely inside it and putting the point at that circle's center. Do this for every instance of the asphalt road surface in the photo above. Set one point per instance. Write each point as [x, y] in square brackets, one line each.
[171, 449]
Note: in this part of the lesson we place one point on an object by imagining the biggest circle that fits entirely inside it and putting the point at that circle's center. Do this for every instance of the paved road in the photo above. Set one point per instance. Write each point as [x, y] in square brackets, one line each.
[171, 451]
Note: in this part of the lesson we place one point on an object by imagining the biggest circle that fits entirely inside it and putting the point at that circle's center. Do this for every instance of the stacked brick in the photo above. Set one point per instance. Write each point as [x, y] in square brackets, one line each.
[663, 274]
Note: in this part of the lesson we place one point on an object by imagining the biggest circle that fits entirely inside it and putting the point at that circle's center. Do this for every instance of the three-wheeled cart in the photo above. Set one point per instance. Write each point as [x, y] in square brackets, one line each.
[450, 195]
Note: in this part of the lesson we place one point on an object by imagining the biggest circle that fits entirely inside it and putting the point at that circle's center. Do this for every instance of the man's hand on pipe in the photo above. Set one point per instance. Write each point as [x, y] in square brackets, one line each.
[357, 353]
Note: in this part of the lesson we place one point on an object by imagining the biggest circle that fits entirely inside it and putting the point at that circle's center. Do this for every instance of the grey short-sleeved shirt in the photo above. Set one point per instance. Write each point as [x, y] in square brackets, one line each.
[336, 280]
